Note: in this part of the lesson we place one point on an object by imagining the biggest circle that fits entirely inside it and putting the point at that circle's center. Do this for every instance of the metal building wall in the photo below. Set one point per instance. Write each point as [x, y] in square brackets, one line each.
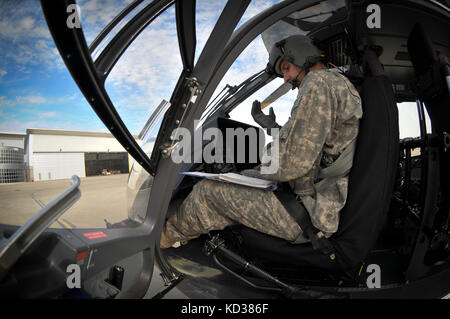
[58, 154]
[12, 139]
[50, 166]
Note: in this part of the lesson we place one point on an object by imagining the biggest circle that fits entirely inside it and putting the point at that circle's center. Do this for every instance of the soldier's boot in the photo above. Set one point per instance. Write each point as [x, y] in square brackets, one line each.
[166, 241]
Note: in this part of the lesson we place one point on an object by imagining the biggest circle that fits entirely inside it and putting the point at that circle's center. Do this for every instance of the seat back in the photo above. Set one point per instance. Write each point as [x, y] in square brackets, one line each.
[373, 174]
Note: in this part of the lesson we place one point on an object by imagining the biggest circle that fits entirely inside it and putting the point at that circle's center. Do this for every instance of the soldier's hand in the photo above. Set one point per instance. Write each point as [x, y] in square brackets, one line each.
[266, 121]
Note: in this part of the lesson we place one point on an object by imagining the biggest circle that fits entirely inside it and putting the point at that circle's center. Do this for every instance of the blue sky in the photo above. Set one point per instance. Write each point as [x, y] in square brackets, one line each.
[36, 90]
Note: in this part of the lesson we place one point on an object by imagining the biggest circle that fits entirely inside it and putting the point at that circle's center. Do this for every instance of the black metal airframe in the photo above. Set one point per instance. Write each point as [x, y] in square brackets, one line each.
[200, 80]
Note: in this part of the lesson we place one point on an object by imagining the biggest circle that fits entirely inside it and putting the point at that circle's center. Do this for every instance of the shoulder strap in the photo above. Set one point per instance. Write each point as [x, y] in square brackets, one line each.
[340, 168]
[342, 165]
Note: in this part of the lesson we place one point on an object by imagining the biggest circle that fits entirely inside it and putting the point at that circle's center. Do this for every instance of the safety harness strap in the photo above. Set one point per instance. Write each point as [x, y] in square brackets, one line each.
[341, 167]
[318, 240]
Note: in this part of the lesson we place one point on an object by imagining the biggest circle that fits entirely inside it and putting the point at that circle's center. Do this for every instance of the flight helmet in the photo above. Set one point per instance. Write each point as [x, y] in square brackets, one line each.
[297, 49]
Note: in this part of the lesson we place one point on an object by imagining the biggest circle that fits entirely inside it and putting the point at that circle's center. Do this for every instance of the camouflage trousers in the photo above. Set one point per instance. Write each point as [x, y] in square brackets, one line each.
[215, 205]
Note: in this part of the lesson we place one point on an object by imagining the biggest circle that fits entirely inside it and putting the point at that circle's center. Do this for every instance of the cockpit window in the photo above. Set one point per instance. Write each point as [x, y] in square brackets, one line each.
[409, 123]
[208, 12]
[305, 22]
[255, 57]
[147, 72]
[93, 23]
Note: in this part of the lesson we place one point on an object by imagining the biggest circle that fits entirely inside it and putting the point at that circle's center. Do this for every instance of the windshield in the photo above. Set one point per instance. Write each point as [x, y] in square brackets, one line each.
[305, 22]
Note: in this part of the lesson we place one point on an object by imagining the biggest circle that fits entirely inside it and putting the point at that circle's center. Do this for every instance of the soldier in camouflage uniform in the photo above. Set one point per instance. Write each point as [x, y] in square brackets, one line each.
[324, 121]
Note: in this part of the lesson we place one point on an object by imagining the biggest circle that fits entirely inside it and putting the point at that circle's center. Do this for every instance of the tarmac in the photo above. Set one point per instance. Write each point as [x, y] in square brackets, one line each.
[102, 197]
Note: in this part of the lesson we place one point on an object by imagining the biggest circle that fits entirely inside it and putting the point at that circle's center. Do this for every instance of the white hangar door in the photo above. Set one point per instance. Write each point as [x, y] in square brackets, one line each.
[50, 166]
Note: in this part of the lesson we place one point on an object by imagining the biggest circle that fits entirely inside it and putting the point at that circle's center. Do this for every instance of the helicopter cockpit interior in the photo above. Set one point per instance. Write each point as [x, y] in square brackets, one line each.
[397, 215]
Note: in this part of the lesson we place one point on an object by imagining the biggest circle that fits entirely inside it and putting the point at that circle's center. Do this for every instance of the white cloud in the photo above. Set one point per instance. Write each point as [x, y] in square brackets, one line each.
[3, 73]
[96, 14]
[32, 53]
[256, 7]
[30, 99]
[12, 122]
[149, 69]
[25, 40]
[14, 125]
[4, 101]
[19, 26]
[26, 23]
[44, 115]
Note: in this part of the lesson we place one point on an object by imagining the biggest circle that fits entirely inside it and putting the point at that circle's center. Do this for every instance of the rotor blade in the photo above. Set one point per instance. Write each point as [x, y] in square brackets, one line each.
[280, 91]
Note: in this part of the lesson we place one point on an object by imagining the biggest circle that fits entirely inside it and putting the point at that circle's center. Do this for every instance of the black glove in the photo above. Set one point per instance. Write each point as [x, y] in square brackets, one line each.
[265, 121]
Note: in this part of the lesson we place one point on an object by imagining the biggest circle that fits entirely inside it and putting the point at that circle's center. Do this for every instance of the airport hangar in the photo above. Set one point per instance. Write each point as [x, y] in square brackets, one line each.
[58, 154]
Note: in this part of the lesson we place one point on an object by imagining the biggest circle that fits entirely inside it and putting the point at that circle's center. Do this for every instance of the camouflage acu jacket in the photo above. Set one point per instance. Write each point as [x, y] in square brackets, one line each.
[324, 121]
